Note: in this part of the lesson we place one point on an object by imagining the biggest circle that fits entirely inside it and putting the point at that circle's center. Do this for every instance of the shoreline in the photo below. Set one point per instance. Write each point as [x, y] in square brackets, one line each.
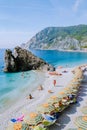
[73, 51]
[61, 50]
[39, 97]
[25, 106]
[23, 92]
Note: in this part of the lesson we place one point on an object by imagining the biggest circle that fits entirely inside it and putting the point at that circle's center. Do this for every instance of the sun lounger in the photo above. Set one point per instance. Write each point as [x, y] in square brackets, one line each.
[48, 120]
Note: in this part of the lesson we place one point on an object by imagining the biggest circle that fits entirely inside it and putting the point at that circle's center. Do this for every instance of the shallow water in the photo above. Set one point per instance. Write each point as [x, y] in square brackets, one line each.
[16, 85]
[13, 86]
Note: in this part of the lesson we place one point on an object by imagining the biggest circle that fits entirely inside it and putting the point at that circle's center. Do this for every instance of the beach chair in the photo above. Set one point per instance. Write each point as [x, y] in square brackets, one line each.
[48, 120]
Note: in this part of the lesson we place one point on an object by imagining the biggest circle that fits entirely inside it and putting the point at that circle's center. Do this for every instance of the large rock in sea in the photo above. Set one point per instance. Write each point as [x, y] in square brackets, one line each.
[23, 60]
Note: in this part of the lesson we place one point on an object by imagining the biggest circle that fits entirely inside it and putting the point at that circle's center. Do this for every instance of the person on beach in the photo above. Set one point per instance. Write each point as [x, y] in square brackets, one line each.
[54, 82]
[40, 87]
[50, 91]
[29, 97]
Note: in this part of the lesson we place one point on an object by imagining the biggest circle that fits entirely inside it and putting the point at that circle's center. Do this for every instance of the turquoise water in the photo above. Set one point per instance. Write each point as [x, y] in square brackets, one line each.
[56, 58]
[15, 85]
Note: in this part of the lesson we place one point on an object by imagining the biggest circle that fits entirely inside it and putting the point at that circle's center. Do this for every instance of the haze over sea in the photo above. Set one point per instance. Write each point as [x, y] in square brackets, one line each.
[13, 86]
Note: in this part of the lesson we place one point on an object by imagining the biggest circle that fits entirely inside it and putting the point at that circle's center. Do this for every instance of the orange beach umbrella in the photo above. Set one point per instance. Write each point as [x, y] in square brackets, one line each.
[46, 108]
[33, 119]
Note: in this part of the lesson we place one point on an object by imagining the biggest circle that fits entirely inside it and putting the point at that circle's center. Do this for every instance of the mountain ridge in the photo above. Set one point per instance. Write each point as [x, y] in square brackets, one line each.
[65, 38]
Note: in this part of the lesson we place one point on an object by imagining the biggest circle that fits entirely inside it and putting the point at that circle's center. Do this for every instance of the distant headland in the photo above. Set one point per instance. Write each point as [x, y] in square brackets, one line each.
[59, 38]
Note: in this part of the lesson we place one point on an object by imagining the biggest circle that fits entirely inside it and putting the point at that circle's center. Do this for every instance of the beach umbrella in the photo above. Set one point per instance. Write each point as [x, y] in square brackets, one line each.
[53, 100]
[65, 100]
[75, 83]
[67, 89]
[84, 110]
[75, 79]
[62, 94]
[79, 79]
[33, 119]
[81, 122]
[18, 126]
[74, 86]
[70, 90]
[46, 108]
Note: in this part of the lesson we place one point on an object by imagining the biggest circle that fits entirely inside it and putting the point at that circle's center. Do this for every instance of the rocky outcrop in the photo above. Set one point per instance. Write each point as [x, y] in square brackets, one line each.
[23, 60]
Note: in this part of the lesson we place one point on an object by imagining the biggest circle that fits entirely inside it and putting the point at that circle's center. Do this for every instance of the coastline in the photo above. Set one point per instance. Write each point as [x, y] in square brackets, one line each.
[15, 108]
[61, 50]
[26, 106]
[28, 82]
[73, 51]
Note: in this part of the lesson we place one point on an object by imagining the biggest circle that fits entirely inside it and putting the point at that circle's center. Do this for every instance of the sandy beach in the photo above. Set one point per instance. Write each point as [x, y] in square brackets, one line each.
[66, 119]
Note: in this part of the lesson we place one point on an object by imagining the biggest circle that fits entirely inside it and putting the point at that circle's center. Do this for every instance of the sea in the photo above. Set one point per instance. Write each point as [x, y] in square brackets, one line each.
[13, 86]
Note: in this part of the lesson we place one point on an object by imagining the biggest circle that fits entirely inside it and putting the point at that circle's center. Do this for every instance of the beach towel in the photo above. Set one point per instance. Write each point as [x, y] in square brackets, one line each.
[13, 120]
[20, 118]
[49, 118]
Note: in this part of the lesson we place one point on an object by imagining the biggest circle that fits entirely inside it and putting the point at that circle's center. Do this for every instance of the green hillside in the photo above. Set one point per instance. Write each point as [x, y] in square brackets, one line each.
[72, 37]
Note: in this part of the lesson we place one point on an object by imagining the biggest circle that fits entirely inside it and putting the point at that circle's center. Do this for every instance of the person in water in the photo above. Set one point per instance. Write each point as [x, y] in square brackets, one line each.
[40, 87]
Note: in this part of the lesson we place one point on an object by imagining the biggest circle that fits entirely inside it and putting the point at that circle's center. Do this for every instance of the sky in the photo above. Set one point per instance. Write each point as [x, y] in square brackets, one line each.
[22, 19]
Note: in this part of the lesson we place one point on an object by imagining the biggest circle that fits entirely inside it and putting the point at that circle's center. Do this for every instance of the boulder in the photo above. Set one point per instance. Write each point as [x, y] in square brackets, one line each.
[23, 60]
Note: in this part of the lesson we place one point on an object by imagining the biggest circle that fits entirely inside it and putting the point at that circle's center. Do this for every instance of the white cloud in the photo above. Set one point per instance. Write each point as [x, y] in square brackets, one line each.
[76, 5]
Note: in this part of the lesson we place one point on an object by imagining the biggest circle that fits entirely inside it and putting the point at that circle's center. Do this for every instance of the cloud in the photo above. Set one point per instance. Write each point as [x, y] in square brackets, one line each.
[77, 4]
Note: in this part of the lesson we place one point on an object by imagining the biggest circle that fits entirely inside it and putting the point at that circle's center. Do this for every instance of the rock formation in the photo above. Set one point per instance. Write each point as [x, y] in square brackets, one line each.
[23, 60]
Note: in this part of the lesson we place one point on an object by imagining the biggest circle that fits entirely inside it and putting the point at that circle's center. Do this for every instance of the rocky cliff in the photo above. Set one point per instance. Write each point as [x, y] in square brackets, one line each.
[66, 38]
[23, 60]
